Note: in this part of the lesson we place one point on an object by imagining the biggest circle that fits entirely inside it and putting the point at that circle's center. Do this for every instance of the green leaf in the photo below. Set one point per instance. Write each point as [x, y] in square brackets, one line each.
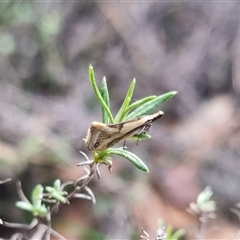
[105, 96]
[150, 105]
[139, 137]
[59, 197]
[37, 195]
[204, 196]
[178, 234]
[36, 208]
[171, 235]
[36, 211]
[50, 189]
[125, 104]
[135, 160]
[169, 232]
[139, 103]
[40, 211]
[56, 194]
[97, 92]
[24, 205]
[57, 184]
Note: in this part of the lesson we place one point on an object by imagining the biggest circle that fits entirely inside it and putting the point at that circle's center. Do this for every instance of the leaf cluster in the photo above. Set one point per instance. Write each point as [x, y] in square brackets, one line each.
[128, 111]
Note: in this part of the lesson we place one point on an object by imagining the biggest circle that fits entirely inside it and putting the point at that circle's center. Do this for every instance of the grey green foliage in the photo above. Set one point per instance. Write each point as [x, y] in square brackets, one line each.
[55, 192]
[36, 207]
[131, 157]
[174, 235]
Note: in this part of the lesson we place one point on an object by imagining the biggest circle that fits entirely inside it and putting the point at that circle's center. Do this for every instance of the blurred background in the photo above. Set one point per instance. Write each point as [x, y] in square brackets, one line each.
[47, 105]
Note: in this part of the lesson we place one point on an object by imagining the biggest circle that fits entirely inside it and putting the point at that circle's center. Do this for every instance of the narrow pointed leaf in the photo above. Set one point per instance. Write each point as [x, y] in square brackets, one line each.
[37, 195]
[205, 195]
[150, 105]
[24, 205]
[178, 234]
[40, 211]
[126, 102]
[59, 197]
[50, 189]
[57, 184]
[138, 103]
[105, 96]
[139, 137]
[169, 231]
[56, 194]
[97, 92]
[135, 160]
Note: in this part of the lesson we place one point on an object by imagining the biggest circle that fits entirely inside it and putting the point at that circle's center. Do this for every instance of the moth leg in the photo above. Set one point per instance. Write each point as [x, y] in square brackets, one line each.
[143, 131]
[145, 128]
[124, 145]
[137, 141]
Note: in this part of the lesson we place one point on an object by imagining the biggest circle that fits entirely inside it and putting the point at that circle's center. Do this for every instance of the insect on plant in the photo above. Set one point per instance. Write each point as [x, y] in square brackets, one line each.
[131, 122]
[101, 136]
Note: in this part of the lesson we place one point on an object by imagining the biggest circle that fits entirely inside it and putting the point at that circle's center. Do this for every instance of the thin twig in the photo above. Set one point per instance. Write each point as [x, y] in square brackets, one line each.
[91, 194]
[89, 162]
[20, 192]
[36, 233]
[83, 196]
[84, 155]
[5, 180]
[98, 171]
[16, 236]
[66, 184]
[202, 228]
[57, 235]
[49, 200]
[20, 225]
[81, 179]
[48, 230]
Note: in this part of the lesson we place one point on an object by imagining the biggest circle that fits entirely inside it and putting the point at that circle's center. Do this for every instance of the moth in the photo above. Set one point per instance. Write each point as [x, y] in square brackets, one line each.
[101, 136]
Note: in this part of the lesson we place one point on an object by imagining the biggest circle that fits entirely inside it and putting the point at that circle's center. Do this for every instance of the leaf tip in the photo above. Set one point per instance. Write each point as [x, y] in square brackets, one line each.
[90, 69]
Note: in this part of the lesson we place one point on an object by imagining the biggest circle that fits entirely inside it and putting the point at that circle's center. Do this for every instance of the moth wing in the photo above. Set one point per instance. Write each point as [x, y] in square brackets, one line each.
[98, 135]
[93, 134]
